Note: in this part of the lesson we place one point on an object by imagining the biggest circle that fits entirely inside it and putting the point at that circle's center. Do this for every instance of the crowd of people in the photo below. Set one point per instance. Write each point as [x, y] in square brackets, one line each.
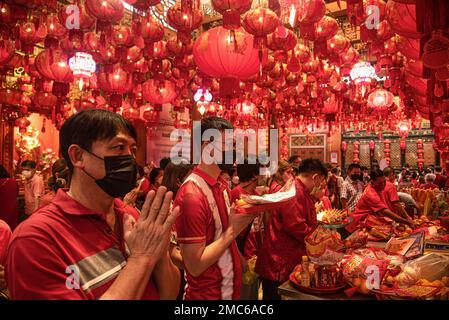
[109, 229]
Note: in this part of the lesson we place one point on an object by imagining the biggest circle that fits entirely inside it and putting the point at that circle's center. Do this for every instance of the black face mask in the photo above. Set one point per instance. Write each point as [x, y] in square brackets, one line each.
[121, 175]
[355, 177]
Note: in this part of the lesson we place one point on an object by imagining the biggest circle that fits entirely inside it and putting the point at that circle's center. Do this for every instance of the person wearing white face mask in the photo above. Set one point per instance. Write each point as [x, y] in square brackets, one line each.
[34, 186]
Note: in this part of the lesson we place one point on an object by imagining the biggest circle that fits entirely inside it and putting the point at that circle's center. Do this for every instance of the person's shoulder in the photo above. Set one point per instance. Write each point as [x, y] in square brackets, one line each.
[40, 223]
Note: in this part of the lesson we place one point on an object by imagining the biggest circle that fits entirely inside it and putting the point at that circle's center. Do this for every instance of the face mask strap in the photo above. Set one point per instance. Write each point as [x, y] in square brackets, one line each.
[93, 154]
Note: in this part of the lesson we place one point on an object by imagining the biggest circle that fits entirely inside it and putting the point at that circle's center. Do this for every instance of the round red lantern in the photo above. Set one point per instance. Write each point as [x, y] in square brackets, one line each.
[380, 100]
[150, 30]
[121, 36]
[53, 64]
[106, 11]
[131, 113]
[117, 81]
[219, 54]
[55, 30]
[184, 21]
[277, 42]
[260, 22]
[177, 48]
[159, 91]
[29, 36]
[44, 101]
[231, 11]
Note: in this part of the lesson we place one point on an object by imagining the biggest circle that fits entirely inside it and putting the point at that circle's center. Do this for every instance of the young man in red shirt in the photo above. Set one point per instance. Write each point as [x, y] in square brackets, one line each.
[207, 227]
[87, 244]
[283, 244]
[390, 194]
[373, 202]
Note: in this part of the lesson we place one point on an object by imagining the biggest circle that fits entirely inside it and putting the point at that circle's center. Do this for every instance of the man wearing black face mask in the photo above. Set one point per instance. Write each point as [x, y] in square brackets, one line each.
[207, 226]
[352, 188]
[87, 244]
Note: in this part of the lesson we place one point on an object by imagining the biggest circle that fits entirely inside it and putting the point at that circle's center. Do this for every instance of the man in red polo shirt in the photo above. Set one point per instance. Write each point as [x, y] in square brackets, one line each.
[390, 194]
[207, 227]
[373, 202]
[87, 244]
[283, 245]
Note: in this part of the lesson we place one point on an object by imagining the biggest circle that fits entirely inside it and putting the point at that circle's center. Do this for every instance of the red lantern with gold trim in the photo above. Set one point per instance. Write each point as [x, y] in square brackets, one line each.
[231, 11]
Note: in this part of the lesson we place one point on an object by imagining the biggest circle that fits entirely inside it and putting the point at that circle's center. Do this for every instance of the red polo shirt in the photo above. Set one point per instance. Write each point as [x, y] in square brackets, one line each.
[5, 236]
[66, 251]
[390, 195]
[283, 245]
[195, 224]
[371, 202]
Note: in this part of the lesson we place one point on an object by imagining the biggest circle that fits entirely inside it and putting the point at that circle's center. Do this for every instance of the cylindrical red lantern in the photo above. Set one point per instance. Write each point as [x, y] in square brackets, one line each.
[159, 91]
[106, 11]
[260, 22]
[231, 11]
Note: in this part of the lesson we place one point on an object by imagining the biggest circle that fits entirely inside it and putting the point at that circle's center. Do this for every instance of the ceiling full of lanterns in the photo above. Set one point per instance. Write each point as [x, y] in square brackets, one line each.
[359, 64]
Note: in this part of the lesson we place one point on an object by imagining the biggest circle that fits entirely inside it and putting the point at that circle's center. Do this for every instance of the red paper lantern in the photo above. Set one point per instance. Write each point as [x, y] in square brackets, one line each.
[179, 49]
[53, 64]
[159, 91]
[260, 22]
[338, 44]
[380, 100]
[131, 113]
[29, 35]
[150, 30]
[121, 36]
[55, 30]
[277, 42]
[184, 21]
[219, 54]
[231, 11]
[106, 11]
[117, 81]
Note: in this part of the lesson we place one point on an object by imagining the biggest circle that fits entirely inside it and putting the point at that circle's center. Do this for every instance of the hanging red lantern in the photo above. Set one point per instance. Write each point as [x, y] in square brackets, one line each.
[231, 58]
[121, 36]
[338, 44]
[159, 91]
[106, 11]
[184, 20]
[55, 30]
[260, 22]
[380, 100]
[116, 81]
[177, 48]
[53, 64]
[149, 29]
[231, 11]
[131, 113]
[29, 36]
[277, 42]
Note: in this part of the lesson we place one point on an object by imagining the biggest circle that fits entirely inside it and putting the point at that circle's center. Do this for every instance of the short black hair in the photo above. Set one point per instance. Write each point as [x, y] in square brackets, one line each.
[364, 168]
[3, 172]
[215, 123]
[247, 171]
[293, 158]
[313, 166]
[388, 171]
[29, 164]
[438, 169]
[153, 175]
[88, 126]
[334, 170]
[376, 173]
[414, 174]
[164, 162]
[353, 166]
